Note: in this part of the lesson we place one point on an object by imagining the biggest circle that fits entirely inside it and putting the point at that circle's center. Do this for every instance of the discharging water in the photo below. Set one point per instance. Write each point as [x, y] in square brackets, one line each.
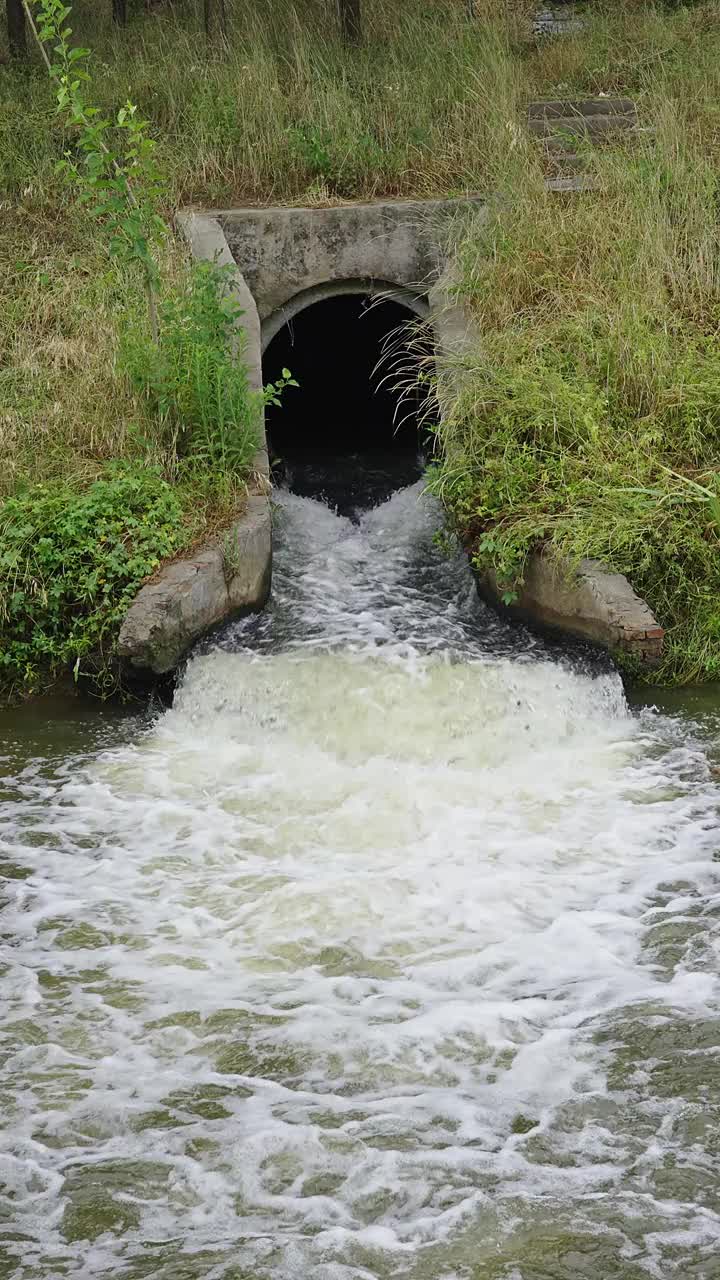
[389, 951]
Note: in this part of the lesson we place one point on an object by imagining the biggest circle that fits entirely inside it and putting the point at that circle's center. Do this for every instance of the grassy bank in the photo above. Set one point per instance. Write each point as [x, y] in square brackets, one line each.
[588, 419]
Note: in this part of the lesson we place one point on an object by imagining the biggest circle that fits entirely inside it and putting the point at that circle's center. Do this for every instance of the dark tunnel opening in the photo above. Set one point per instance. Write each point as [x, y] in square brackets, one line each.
[348, 434]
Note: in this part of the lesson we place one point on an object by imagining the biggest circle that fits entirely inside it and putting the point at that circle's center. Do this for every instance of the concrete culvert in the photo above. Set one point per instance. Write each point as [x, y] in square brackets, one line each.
[348, 434]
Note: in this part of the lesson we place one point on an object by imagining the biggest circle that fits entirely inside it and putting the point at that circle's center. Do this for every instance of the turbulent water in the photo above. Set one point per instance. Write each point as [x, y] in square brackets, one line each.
[389, 951]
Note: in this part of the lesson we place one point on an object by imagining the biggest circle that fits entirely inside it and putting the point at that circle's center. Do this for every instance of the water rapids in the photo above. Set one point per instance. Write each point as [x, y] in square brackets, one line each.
[391, 950]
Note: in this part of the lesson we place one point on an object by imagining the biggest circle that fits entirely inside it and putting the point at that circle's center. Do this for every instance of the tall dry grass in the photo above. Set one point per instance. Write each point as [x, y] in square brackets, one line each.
[429, 105]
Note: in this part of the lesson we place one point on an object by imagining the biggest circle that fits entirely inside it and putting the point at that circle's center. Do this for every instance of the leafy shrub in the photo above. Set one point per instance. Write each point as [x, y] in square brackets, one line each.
[534, 459]
[341, 161]
[69, 565]
[313, 147]
[195, 381]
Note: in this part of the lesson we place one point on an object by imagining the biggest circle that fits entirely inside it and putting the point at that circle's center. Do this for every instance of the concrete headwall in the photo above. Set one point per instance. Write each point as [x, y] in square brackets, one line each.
[279, 261]
[283, 252]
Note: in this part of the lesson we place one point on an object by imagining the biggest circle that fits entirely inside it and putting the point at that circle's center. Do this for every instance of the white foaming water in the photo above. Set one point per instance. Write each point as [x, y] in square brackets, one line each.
[387, 952]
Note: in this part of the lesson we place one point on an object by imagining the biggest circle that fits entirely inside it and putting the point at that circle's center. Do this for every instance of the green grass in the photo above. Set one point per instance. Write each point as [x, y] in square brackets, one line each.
[70, 563]
[588, 421]
[289, 113]
[588, 416]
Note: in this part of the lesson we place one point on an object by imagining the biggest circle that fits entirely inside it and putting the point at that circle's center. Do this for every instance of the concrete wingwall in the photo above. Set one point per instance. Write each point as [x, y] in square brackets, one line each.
[586, 600]
[231, 573]
[206, 241]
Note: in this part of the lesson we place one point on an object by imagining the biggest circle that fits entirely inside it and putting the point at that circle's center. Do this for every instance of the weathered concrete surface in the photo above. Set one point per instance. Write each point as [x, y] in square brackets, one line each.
[206, 240]
[229, 575]
[456, 337]
[556, 21]
[283, 252]
[589, 601]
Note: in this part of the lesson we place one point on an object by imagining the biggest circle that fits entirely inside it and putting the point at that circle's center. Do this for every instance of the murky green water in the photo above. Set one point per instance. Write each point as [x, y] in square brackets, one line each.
[390, 951]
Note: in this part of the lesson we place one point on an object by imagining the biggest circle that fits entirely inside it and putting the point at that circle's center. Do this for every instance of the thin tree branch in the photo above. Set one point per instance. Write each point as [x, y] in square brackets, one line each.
[132, 198]
[38, 41]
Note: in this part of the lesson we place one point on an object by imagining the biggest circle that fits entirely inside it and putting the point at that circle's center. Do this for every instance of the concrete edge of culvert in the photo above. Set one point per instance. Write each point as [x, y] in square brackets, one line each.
[412, 299]
[230, 574]
[206, 240]
[227, 576]
[283, 252]
[586, 601]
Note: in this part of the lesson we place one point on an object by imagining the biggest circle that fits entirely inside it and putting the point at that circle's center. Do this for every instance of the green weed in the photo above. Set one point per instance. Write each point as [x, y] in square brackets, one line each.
[70, 564]
[194, 382]
[588, 421]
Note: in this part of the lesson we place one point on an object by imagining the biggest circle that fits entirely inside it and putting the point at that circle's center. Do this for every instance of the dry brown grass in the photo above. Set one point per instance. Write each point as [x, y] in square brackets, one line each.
[432, 104]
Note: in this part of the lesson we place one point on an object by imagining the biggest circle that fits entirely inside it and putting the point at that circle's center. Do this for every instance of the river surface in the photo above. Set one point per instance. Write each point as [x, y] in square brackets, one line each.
[390, 951]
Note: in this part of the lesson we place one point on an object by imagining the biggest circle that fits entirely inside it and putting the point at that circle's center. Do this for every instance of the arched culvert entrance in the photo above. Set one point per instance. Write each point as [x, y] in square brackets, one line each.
[347, 434]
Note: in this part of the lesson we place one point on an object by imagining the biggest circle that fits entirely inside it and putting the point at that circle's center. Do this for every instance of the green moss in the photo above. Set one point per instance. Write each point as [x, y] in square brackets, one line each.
[523, 1124]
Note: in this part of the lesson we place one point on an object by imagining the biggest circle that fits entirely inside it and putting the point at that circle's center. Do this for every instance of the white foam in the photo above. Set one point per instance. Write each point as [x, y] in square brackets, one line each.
[332, 959]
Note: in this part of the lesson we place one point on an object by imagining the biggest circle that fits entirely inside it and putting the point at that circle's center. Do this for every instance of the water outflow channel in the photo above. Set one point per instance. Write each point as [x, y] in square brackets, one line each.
[389, 951]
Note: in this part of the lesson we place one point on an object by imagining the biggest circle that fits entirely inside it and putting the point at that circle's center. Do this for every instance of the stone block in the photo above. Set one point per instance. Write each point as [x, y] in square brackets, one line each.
[228, 575]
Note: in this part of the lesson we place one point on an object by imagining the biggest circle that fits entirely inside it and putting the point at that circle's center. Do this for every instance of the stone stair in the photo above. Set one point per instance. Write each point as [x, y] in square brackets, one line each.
[565, 126]
[554, 20]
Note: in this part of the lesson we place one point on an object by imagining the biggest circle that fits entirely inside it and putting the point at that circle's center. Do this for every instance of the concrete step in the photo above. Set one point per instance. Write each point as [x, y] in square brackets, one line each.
[559, 108]
[556, 22]
[561, 123]
[566, 162]
[575, 182]
[595, 127]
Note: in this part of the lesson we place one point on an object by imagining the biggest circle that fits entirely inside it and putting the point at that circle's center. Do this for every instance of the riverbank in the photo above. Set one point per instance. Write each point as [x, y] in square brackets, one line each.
[603, 307]
[588, 419]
